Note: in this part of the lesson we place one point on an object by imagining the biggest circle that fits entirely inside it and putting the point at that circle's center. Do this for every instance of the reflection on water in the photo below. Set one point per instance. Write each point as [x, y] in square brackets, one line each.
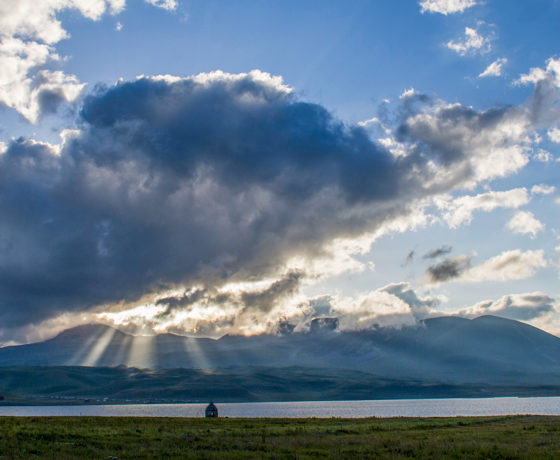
[351, 409]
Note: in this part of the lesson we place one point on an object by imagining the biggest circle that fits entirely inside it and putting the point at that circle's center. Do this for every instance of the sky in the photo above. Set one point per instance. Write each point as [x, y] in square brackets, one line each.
[211, 167]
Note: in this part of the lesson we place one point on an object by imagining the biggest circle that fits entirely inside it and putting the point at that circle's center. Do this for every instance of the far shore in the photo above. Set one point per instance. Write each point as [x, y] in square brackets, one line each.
[40, 402]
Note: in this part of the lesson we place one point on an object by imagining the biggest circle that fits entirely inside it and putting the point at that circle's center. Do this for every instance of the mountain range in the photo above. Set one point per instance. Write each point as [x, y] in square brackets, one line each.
[451, 350]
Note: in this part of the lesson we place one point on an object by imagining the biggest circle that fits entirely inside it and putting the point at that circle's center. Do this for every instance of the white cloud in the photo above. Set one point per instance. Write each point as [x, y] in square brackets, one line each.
[394, 305]
[537, 74]
[29, 30]
[22, 86]
[165, 4]
[460, 211]
[542, 189]
[525, 223]
[37, 20]
[496, 142]
[507, 266]
[118, 26]
[554, 135]
[545, 101]
[446, 6]
[494, 69]
[374, 308]
[407, 93]
[473, 43]
[491, 143]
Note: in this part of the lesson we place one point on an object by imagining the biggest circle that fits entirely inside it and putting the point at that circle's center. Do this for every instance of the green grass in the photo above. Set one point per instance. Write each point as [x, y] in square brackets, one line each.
[133, 438]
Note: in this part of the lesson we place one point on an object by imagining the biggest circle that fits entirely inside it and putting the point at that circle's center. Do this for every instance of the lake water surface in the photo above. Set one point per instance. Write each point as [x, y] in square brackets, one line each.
[351, 409]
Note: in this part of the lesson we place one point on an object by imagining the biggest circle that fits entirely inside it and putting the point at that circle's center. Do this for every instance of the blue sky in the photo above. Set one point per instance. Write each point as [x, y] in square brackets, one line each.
[458, 101]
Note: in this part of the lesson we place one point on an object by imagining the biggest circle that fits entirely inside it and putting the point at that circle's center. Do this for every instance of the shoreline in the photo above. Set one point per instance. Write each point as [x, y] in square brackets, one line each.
[47, 402]
[425, 408]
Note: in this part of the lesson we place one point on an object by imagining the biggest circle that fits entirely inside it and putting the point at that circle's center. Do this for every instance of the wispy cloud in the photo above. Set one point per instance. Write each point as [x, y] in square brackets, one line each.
[435, 253]
[542, 155]
[542, 189]
[473, 43]
[459, 211]
[409, 258]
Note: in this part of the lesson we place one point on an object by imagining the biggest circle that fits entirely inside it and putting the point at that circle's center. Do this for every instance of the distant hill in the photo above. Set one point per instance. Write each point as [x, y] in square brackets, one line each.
[94, 385]
[451, 350]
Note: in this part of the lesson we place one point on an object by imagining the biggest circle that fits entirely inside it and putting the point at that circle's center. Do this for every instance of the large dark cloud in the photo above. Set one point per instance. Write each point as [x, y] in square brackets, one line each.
[198, 181]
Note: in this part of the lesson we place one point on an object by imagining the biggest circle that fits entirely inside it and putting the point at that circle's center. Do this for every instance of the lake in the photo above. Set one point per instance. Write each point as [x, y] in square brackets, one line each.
[350, 409]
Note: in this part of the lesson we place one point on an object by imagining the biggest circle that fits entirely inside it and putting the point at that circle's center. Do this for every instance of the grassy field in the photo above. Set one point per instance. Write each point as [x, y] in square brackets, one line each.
[133, 438]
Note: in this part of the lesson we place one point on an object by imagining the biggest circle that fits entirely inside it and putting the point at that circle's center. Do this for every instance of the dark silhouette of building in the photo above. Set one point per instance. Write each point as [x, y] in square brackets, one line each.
[211, 410]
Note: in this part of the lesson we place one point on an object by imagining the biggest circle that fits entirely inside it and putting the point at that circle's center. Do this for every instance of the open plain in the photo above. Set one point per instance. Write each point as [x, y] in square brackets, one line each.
[133, 438]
